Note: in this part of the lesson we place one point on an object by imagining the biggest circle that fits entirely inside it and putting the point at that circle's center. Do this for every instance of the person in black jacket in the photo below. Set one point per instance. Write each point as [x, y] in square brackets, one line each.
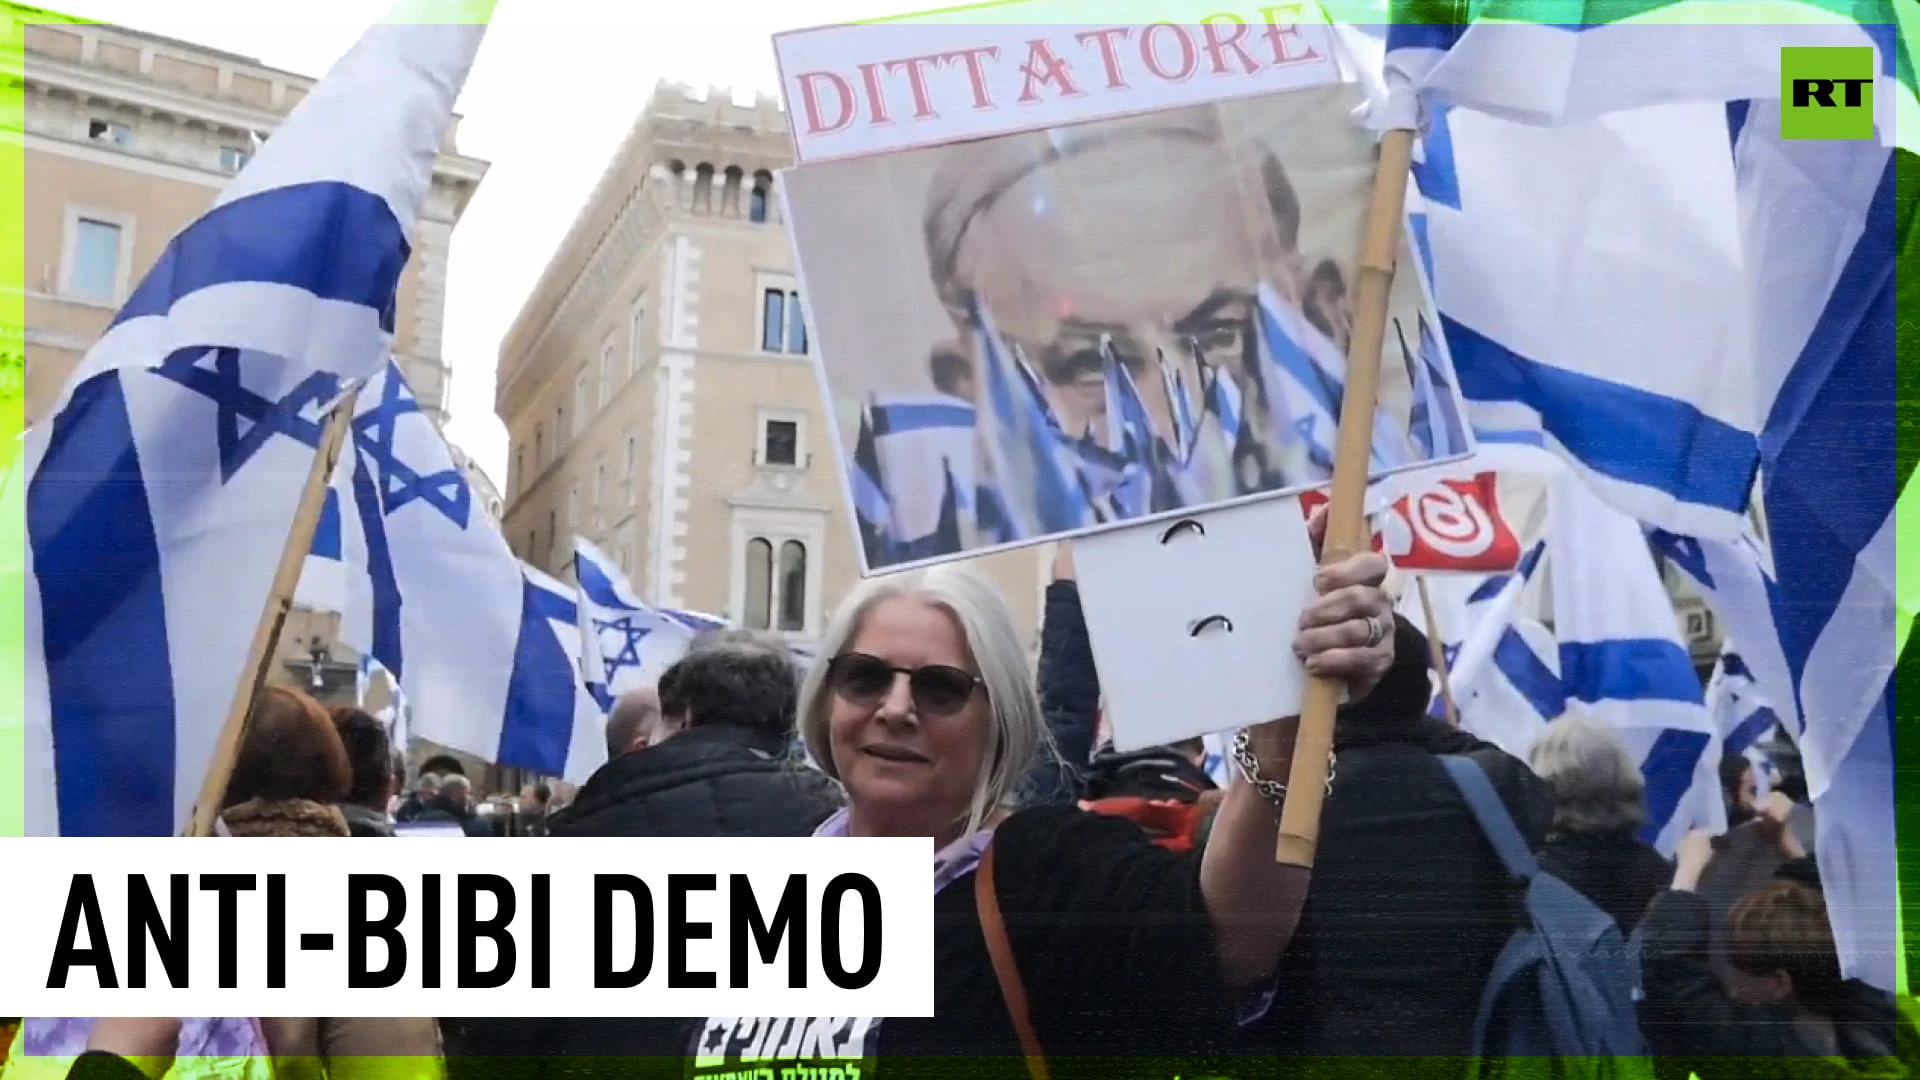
[1600, 804]
[1787, 1013]
[722, 769]
[1408, 906]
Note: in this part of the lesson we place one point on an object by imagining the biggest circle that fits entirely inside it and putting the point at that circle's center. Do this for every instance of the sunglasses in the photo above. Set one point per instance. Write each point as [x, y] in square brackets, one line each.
[937, 689]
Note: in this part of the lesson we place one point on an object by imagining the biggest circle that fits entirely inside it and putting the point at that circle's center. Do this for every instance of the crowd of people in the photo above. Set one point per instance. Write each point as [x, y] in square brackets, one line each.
[1151, 931]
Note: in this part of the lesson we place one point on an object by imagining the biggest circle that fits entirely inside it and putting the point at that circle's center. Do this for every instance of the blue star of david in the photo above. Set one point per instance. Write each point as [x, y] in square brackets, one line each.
[628, 654]
[445, 491]
[221, 384]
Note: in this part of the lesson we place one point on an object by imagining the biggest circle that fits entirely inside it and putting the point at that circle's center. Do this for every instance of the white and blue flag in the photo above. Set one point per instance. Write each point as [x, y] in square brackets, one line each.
[631, 642]
[1503, 666]
[1622, 660]
[486, 649]
[1633, 357]
[163, 487]
[1823, 224]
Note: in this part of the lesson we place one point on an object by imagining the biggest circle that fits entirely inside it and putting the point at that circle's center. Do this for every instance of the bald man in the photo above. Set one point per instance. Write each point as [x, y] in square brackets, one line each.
[634, 723]
[1042, 232]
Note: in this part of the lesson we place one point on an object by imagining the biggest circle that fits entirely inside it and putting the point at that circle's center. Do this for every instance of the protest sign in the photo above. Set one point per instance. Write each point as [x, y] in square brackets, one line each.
[1095, 310]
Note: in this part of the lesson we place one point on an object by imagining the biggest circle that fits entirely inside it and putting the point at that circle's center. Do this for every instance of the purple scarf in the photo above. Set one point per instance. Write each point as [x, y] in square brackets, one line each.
[199, 1037]
[950, 863]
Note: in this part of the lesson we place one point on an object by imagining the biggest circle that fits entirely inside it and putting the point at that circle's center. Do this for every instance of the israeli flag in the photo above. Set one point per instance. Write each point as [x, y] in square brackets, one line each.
[1737, 579]
[581, 698]
[1503, 664]
[1434, 421]
[1037, 485]
[1568, 73]
[1740, 712]
[1822, 223]
[921, 435]
[162, 491]
[487, 653]
[1306, 380]
[632, 643]
[1539, 137]
[1622, 660]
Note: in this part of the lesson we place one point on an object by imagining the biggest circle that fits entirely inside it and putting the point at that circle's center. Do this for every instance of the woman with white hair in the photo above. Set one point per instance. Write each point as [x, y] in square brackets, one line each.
[1060, 935]
[1600, 804]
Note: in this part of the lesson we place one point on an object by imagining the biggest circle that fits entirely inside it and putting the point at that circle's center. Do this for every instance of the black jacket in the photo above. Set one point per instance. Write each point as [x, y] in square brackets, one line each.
[365, 821]
[1618, 871]
[707, 781]
[1694, 1027]
[1408, 905]
[1069, 688]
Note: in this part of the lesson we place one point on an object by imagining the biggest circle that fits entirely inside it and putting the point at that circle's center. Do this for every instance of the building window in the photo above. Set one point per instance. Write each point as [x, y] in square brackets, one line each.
[95, 270]
[539, 447]
[793, 585]
[780, 442]
[559, 427]
[607, 382]
[553, 533]
[636, 336]
[532, 538]
[519, 479]
[109, 131]
[573, 508]
[762, 191]
[233, 159]
[782, 328]
[582, 405]
[759, 584]
[599, 491]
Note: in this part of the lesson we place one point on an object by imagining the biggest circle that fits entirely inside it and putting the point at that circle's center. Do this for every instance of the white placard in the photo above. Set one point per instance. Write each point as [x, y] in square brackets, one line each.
[877, 87]
[566, 948]
[1192, 621]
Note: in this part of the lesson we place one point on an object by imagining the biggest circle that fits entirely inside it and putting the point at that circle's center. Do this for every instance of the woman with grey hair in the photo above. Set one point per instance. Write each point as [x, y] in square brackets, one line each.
[1061, 935]
[1600, 805]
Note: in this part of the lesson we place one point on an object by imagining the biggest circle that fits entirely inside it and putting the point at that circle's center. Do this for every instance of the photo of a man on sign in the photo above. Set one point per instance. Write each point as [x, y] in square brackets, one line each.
[1103, 322]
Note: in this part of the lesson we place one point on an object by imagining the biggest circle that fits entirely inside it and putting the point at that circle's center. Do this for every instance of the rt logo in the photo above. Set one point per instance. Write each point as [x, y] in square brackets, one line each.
[1826, 93]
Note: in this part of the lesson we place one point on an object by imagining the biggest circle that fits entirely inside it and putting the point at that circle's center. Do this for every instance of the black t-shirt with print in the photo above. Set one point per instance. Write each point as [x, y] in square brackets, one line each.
[1113, 943]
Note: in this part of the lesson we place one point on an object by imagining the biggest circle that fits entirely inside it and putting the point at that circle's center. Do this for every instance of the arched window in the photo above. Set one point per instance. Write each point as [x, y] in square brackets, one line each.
[679, 171]
[759, 608]
[539, 447]
[730, 198]
[703, 189]
[762, 191]
[793, 585]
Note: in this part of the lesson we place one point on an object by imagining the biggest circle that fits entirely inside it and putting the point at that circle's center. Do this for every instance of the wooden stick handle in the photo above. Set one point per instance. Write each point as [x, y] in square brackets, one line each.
[1437, 652]
[266, 634]
[1346, 519]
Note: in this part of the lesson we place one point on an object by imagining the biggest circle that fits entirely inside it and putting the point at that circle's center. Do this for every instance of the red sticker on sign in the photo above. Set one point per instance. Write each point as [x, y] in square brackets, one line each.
[1455, 525]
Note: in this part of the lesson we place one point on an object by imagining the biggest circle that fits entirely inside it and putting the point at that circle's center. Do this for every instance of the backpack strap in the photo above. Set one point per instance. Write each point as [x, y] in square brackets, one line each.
[986, 899]
[1496, 824]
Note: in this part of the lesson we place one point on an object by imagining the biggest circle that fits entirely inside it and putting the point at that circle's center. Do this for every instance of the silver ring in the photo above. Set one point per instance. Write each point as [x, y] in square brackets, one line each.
[1376, 630]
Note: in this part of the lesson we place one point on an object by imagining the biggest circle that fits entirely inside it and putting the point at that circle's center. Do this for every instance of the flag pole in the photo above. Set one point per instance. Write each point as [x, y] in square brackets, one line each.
[1437, 652]
[266, 635]
[1346, 520]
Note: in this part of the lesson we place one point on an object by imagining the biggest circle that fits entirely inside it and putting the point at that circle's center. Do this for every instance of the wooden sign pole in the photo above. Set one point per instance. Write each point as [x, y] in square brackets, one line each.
[1437, 652]
[1346, 519]
[266, 635]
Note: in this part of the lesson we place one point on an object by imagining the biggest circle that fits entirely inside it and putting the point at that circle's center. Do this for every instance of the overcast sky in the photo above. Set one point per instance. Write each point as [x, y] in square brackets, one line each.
[557, 85]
